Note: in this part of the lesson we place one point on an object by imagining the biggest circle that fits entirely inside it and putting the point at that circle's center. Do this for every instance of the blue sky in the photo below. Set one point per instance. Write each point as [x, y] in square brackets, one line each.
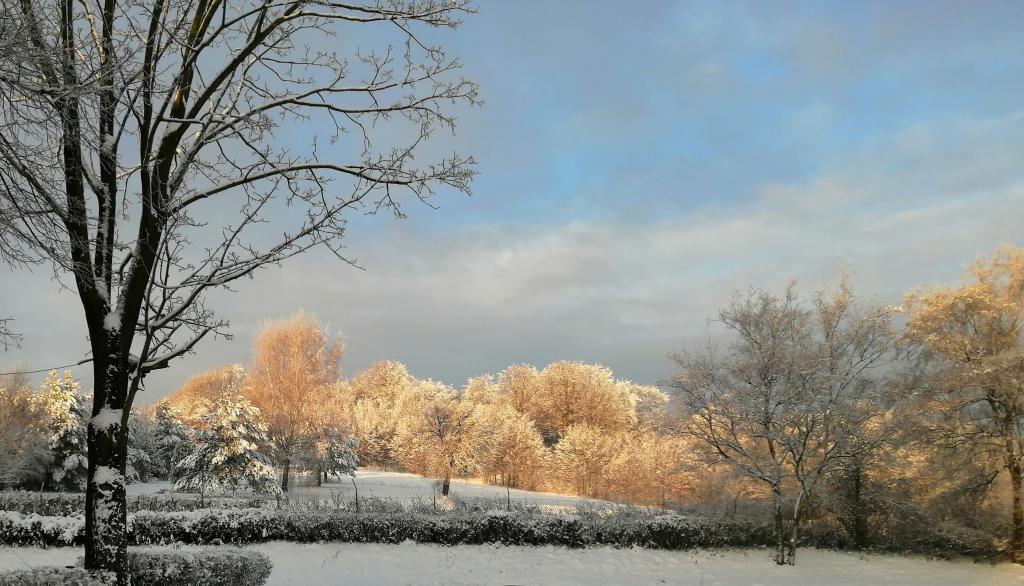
[641, 161]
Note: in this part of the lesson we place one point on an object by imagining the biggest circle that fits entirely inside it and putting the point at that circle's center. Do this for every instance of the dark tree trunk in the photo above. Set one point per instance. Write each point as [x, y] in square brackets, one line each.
[106, 545]
[858, 524]
[284, 475]
[1017, 527]
[446, 485]
[319, 475]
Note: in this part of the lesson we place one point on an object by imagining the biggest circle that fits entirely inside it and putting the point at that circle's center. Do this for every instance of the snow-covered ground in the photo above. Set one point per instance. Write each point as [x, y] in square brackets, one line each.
[321, 564]
[400, 485]
[396, 485]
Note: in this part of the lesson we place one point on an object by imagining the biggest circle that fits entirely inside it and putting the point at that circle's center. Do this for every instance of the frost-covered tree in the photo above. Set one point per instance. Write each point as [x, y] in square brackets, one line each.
[140, 157]
[334, 453]
[172, 439]
[24, 436]
[291, 381]
[227, 455]
[200, 393]
[970, 342]
[442, 438]
[794, 394]
[67, 427]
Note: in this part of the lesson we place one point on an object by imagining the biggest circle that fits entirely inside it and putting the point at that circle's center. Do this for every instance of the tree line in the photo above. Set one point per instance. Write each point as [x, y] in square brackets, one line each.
[889, 424]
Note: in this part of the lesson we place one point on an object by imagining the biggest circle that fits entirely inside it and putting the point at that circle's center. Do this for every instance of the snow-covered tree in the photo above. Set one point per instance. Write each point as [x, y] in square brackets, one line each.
[227, 452]
[334, 453]
[172, 439]
[24, 455]
[141, 445]
[65, 405]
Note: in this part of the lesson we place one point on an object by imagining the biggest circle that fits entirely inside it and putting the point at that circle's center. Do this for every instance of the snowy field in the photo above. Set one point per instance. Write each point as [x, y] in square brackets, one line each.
[323, 564]
[397, 485]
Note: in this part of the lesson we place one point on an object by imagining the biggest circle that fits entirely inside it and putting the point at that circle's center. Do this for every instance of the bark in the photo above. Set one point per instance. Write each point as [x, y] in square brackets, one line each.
[106, 515]
[794, 533]
[284, 475]
[319, 475]
[1017, 527]
[780, 533]
[858, 522]
[447, 484]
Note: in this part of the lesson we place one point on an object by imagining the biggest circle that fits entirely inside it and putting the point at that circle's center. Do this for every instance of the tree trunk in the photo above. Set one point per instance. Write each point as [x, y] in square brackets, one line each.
[319, 475]
[447, 484]
[780, 534]
[795, 529]
[858, 510]
[1017, 527]
[106, 515]
[284, 475]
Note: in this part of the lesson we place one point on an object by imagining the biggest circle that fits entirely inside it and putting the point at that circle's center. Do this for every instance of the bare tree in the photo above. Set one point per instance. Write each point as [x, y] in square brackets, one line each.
[8, 337]
[793, 395]
[138, 156]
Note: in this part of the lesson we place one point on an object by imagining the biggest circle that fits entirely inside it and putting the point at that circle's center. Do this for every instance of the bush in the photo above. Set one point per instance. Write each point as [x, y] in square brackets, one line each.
[216, 566]
[47, 576]
[41, 530]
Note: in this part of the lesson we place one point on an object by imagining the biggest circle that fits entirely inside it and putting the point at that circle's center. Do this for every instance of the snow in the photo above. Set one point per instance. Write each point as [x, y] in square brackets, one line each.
[107, 475]
[112, 320]
[321, 564]
[107, 418]
[400, 485]
[148, 488]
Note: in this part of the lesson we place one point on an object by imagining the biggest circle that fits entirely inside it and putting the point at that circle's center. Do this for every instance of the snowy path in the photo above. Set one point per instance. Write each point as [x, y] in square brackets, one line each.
[323, 564]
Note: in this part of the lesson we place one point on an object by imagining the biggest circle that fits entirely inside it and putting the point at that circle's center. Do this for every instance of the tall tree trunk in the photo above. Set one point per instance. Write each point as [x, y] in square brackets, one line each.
[1017, 527]
[319, 475]
[780, 532]
[447, 484]
[858, 510]
[284, 475]
[106, 515]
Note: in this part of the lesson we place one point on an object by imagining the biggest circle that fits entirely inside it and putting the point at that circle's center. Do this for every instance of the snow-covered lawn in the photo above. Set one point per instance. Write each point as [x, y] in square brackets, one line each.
[396, 485]
[322, 564]
[400, 485]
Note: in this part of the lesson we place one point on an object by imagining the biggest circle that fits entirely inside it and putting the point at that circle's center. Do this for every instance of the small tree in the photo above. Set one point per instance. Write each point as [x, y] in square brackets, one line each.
[334, 452]
[442, 438]
[66, 408]
[171, 438]
[226, 455]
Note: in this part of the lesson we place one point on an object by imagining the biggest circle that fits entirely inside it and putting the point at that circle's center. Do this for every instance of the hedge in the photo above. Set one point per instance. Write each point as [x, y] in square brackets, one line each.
[48, 576]
[619, 529]
[239, 526]
[213, 566]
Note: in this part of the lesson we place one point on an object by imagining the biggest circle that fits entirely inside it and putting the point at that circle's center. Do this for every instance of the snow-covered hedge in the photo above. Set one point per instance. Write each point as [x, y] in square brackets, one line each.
[69, 504]
[214, 566]
[47, 576]
[247, 526]
[32, 529]
[623, 529]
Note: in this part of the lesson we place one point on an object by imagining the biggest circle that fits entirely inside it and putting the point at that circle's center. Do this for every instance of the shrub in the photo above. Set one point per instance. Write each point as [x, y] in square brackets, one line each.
[215, 566]
[47, 576]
